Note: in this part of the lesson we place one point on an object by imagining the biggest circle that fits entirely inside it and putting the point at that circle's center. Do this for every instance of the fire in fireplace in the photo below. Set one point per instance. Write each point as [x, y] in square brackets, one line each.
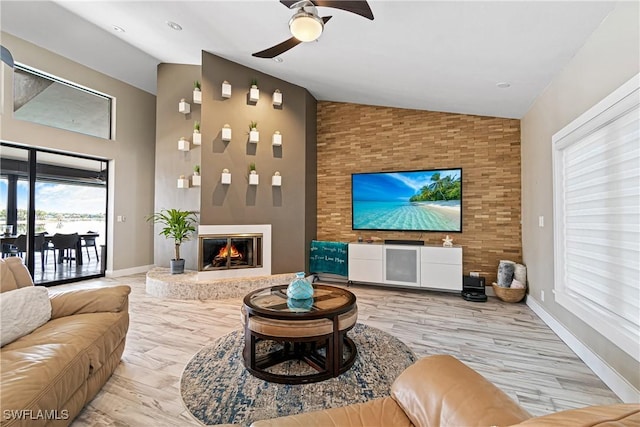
[217, 252]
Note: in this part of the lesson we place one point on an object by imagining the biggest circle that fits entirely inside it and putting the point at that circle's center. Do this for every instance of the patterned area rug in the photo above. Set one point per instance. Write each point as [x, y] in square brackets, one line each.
[217, 389]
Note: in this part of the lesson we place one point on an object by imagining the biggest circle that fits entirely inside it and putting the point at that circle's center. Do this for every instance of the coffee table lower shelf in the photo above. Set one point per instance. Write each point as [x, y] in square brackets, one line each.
[318, 354]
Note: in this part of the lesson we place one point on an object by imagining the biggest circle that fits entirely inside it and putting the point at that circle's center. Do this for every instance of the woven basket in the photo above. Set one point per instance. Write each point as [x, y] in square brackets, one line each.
[509, 294]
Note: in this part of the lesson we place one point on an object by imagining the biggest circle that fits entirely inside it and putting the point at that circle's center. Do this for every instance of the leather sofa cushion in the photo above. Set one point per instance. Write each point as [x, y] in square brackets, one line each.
[383, 412]
[20, 272]
[621, 415]
[7, 281]
[94, 300]
[442, 391]
[41, 370]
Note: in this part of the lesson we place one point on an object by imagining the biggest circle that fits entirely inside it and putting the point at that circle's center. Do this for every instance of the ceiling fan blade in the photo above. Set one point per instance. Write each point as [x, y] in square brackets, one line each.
[359, 7]
[281, 48]
[278, 49]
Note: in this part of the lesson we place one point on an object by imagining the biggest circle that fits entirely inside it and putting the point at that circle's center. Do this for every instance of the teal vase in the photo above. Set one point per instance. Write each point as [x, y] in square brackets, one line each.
[299, 288]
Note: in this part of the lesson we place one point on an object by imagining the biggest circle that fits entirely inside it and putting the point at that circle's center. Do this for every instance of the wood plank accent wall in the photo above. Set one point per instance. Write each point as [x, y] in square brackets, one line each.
[356, 138]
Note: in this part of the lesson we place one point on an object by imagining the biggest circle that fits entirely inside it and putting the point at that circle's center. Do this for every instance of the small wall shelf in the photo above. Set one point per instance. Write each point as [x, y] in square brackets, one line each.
[184, 145]
[196, 180]
[226, 89]
[184, 107]
[226, 133]
[254, 94]
[254, 136]
[183, 182]
[254, 179]
[277, 98]
[225, 178]
[197, 97]
[276, 139]
[197, 138]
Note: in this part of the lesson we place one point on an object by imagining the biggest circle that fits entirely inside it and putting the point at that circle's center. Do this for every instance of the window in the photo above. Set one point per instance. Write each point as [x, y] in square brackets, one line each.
[597, 217]
[47, 100]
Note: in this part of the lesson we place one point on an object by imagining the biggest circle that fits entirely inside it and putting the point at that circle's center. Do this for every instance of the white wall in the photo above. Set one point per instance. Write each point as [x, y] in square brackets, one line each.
[609, 58]
[132, 153]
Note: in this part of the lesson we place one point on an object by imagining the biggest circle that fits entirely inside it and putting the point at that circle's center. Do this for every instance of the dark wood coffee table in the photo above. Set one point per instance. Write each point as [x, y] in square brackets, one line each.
[313, 331]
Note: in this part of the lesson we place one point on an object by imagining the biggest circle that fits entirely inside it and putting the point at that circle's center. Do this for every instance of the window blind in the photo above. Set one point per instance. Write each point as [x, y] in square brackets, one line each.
[597, 217]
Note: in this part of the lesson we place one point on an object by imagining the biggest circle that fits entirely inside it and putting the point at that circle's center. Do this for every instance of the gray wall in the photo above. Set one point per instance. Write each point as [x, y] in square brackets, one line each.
[608, 59]
[132, 151]
[175, 82]
[290, 209]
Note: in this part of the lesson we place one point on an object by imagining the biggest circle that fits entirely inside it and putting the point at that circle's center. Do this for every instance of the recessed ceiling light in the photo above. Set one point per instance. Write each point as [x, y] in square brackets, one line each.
[118, 29]
[278, 59]
[174, 26]
[503, 85]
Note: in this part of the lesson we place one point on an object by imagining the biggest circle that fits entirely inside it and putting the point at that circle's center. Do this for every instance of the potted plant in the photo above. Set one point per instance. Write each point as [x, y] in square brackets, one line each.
[254, 135]
[197, 93]
[196, 180]
[179, 226]
[197, 138]
[254, 93]
[253, 174]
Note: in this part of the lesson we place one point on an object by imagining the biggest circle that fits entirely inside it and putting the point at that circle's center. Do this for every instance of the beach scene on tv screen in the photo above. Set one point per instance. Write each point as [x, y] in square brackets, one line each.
[417, 200]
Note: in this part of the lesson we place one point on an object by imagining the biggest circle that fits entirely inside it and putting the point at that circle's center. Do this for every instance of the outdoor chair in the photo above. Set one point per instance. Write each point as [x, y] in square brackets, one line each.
[88, 242]
[64, 244]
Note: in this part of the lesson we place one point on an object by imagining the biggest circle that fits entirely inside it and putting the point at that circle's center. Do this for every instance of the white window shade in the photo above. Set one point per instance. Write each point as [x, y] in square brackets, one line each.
[597, 217]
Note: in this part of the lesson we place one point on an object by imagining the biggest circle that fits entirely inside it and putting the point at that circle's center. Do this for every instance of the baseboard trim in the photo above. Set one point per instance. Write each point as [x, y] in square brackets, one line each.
[128, 271]
[618, 384]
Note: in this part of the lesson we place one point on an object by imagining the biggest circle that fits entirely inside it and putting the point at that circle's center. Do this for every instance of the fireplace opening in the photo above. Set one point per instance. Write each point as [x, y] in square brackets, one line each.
[226, 252]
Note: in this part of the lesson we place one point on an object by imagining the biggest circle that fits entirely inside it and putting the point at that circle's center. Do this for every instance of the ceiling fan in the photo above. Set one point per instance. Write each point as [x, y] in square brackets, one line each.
[306, 26]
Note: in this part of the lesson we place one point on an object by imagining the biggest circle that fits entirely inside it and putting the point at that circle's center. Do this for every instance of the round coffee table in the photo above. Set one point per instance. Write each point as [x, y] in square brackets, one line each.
[313, 331]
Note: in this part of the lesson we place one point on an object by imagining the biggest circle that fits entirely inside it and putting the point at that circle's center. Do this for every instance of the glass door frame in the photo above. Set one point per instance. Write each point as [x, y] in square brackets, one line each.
[31, 206]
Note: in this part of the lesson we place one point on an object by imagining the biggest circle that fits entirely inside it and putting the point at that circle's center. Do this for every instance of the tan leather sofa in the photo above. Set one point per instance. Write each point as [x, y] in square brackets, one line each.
[47, 376]
[442, 391]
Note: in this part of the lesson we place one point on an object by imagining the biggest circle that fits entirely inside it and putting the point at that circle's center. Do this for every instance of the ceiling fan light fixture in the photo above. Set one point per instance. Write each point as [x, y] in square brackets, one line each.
[305, 26]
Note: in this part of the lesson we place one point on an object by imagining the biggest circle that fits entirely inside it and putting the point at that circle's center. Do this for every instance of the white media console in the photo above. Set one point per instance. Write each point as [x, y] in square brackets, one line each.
[429, 267]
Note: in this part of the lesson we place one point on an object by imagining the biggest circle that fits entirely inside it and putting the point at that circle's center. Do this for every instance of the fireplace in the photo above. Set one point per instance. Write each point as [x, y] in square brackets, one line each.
[234, 251]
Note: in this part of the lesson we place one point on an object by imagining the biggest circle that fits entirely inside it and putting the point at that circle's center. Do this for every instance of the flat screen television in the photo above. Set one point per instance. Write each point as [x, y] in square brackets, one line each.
[426, 200]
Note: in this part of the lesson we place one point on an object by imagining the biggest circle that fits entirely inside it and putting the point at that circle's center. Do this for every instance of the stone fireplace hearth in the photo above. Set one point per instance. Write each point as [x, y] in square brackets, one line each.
[233, 260]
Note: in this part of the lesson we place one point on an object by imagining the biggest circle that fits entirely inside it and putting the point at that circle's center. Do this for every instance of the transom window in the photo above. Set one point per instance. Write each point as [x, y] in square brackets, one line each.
[47, 100]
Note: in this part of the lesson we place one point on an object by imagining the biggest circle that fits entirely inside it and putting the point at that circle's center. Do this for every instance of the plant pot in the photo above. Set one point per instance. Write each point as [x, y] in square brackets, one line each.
[177, 266]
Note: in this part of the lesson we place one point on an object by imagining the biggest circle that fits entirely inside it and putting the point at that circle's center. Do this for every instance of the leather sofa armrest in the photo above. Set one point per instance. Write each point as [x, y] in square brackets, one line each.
[109, 299]
[381, 412]
[442, 391]
[621, 415]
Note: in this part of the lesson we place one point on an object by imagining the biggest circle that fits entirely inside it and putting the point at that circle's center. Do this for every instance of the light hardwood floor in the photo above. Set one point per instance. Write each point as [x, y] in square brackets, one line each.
[507, 343]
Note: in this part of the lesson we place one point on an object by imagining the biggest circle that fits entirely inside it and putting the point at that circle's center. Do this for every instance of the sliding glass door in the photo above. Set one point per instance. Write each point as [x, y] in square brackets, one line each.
[60, 208]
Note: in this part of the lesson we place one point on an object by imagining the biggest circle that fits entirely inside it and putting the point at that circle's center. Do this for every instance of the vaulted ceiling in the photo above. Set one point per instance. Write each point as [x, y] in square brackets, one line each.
[430, 55]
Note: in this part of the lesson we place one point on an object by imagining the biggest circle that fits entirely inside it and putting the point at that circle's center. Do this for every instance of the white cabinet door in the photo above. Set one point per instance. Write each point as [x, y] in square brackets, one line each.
[363, 270]
[402, 265]
[441, 276]
[365, 251]
[441, 268]
[365, 262]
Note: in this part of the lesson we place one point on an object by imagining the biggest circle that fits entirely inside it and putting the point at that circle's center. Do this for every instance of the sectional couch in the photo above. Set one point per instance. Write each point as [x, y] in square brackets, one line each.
[48, 374]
